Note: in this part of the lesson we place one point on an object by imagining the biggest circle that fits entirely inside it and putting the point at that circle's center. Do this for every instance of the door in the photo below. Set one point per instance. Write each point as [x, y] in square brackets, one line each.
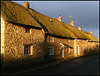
[62, 53]
[77, 50]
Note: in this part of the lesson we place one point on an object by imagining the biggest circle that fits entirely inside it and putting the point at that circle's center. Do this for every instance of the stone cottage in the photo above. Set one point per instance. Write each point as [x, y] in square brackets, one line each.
[20, 35]
[28, 36]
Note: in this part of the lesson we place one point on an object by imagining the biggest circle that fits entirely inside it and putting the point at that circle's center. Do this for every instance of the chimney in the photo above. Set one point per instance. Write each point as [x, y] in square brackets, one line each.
[91, 32]
[72, 23]
[79, 28]
[26, 5]
[59, 18]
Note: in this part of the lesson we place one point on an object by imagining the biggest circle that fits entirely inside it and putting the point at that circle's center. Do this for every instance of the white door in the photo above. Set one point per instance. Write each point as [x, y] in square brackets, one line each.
[62, 53]
[77, 50]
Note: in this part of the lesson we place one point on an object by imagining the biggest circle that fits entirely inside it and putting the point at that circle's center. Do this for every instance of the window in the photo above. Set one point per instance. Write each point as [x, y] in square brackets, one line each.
[83, 48]
[68, 49]
[51, 39]
[27, 49]
[27, 30]
[51, 50]
[77, 39]
[68, 40]
[78, 50]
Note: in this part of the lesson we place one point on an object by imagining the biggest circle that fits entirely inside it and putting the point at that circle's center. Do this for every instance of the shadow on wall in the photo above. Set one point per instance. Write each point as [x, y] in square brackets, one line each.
[27, 60]
[57, 55]
[31, 60]
[91, 51]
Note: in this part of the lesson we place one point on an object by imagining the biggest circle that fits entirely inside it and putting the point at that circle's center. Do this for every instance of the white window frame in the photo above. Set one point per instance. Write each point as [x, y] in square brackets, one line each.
[51, 52]
[83, 48]
[77, 39]
[51, 38]
[28, 50]
[68, 50]
[68, 40]
[78, 50]
[92, 42]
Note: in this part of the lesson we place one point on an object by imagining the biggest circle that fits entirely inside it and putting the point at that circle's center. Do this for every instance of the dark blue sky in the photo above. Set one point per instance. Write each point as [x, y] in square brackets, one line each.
[84, 13]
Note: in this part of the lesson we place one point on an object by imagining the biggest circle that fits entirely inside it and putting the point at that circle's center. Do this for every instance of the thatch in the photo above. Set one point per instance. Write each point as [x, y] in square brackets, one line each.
[51, 25]
[76, 32]
[56, 27]
[13, 12]
[90, 36]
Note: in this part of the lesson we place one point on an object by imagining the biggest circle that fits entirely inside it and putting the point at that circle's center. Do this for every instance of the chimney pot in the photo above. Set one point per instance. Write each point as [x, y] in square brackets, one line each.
[59, 18]
[79, 28]
[26, 5]
[91, 32]
[72, 23]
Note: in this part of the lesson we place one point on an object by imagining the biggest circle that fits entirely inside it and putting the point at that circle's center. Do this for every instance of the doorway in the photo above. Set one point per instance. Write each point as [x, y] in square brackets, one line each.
[77, 50]
[62, 53]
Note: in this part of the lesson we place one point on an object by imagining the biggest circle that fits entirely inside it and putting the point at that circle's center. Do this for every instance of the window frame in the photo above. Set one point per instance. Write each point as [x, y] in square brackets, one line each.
[78, 50]
[77, 39]
[68, 40]
[51, 52]
[83, 48]
[27, 30]
[27, 50]
[51, 38]
[68, 49]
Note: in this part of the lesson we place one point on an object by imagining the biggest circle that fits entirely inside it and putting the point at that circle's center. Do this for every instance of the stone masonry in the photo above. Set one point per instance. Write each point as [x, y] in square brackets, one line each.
[14, 41]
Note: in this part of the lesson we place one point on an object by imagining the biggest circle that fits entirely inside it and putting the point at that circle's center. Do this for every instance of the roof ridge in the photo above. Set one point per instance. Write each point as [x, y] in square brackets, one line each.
[17, 13]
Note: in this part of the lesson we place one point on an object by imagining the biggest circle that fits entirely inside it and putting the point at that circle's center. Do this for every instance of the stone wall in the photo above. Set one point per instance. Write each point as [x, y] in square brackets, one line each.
[57, 48]
[89, 47]
[83, 48]
[82, 44]
[16, 38]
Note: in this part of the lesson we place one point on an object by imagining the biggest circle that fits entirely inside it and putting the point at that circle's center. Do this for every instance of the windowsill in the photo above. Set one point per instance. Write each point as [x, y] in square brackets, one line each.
[50, 54]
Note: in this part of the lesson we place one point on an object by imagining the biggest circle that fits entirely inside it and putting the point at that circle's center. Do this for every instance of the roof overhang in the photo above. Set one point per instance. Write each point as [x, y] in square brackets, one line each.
[64, 45]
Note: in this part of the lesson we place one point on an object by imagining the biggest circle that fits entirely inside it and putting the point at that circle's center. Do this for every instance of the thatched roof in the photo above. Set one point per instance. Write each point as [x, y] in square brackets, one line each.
[90, 36]
[51, 25]
[55, 27]
[13, 12]
[76, 32]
